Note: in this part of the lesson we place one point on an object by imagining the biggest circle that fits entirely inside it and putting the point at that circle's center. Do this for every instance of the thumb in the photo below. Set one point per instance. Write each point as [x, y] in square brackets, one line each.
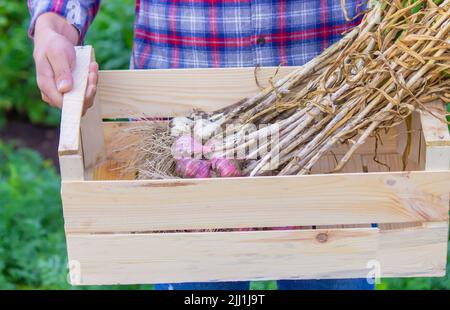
[62, 64]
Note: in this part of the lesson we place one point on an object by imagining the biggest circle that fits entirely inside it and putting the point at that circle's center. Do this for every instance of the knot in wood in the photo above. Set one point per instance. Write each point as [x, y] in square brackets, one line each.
[322, 237]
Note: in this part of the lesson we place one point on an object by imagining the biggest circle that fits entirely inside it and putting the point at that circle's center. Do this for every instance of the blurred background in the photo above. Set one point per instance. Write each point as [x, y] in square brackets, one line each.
[32, 243]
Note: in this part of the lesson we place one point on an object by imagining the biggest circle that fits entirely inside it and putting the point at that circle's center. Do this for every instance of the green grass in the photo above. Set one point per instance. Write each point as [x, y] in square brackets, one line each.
[263, 285]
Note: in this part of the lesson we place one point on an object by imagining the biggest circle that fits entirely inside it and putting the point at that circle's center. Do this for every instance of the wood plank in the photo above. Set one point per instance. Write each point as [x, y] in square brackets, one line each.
[147, 205]
[71, 167]
[221, 256]
[437, 158]
[112, 170]
[419, 251]
[386, 163]
[92, 139]
[437, 139]
[151, 92]
[422, 153]
[322, 166]
[73, 101]
[435, 130]
[119, 141]
[353, 165]
[327, 163]
[416, 135]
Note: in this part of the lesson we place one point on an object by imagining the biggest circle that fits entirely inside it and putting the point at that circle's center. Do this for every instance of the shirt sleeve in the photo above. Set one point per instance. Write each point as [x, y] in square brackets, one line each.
[79, 13]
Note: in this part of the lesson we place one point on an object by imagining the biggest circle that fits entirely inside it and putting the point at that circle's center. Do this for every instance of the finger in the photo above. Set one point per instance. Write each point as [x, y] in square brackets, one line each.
[89, 99]
[62, 62]
[93, 74]
[49, 92]
[46, 83]
[45, 98]
[93, 67]
[92, 86]
[92, 79]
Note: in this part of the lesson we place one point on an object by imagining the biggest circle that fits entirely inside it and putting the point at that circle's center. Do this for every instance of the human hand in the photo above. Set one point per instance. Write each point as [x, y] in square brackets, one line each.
[54, 56]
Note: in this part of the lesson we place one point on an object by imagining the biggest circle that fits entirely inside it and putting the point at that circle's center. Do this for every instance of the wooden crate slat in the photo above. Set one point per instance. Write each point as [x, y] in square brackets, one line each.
[435, 130]
[416, 136]
[437, 158]
[118, 139]
[327, 163]
[92, 138]
[113, 170]
[145, 205]
[221, 256]
[419, 251]
[212, 256]
[71, 167]
[322, 166]
[73, 101]
[393, 161]
[178, 91]
[437, 140]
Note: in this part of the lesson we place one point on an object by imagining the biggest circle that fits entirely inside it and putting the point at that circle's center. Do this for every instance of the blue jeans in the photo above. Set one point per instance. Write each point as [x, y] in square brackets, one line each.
[338, 284]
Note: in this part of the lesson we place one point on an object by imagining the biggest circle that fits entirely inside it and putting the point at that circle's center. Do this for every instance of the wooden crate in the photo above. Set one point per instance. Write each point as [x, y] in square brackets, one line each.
[123, 231]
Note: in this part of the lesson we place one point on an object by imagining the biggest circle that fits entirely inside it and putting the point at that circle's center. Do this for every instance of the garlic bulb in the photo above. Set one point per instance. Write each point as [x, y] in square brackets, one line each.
[181, 126]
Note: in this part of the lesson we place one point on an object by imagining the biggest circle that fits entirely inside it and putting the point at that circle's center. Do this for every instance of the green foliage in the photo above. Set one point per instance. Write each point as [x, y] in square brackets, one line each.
[33, 248]
[111, 34]
[263, 285]
[30, 221]
[448, 116]
[18, 90]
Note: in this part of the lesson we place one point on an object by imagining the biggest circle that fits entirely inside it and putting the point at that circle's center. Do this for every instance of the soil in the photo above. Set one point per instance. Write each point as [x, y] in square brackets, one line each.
[43, 139]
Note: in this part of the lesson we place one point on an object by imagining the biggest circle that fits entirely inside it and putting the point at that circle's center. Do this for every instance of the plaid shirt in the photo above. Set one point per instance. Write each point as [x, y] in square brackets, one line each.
[220, 33]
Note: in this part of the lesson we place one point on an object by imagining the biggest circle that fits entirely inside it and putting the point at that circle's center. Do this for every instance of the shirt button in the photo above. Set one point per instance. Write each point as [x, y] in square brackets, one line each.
[261, 41]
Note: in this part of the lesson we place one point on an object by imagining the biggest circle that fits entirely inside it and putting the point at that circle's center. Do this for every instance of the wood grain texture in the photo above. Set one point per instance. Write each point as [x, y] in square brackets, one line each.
[160, 92]
[437, 158]
[112, 170]
[435, 130]
[383, 163]
[119, 141]
[71, 167]
[73, 101]
[390, 251]
[113, 227]
[124, 206]
[437, 140]
[416, 137]
[92, 138]
[221, 256]
[327, 163]
[419, 251]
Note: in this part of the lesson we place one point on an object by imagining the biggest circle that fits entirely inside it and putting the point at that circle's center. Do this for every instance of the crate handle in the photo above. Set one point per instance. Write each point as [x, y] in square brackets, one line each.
[73, 101]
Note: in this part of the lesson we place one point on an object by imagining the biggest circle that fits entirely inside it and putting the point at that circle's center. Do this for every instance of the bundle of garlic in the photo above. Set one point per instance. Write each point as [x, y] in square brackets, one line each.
[396, 61]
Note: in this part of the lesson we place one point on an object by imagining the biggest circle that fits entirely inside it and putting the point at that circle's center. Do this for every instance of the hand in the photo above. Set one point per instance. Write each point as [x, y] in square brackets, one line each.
[54, 55]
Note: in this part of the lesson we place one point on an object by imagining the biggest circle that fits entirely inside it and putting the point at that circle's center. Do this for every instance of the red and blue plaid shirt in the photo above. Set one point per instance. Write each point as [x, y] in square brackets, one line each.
[220, 33]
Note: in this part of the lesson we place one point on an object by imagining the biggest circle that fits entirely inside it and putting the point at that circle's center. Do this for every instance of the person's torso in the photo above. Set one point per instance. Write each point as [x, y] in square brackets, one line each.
[236, 33]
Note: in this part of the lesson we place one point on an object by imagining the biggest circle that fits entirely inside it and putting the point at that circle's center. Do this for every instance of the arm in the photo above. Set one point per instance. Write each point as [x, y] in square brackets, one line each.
[56, 26]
